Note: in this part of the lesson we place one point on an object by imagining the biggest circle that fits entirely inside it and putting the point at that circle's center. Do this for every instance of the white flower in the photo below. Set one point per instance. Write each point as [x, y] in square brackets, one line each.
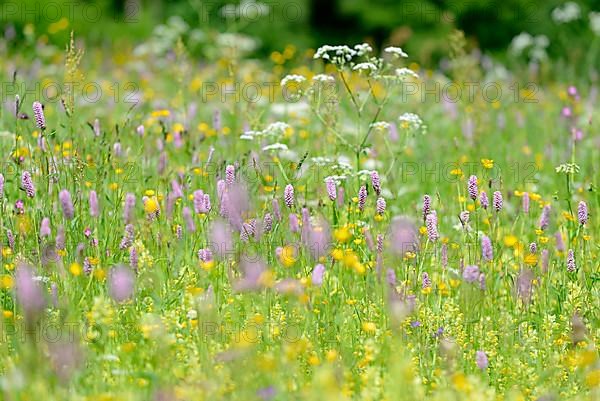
[520, 43]
[595, 22]
[338, 55]
[275, 147]
[404, 73]
[395, 51]
[412, 122]
[381, 125]
[298, 79]
[570, 11]
[363, 49]
[323, 78]
[321, 161]
[365, 67]
[336, 178]
[276, 128]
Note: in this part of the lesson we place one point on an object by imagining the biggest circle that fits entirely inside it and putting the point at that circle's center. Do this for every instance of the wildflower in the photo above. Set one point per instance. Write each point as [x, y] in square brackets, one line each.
[482, 282]
[395, 51]
[140, 130]
[497, 201]
[571, 266]
[129, 207]
[317, 274]
[189, 221]
[60, 238]
[431, 224]
[379, 243]
[545, 260]
[426, 281]
[331, 190]
[481, 360]
[67, 206]
[403, 73]
[486, 248]
[229, 174]
[121, 283]
[487, 163]
[337, 55]
[207, 205]
[545, 217]
[128, 237]
[464, 218]
[582, 213]
[288, 195]
[198, 199]
[426, 205]
[93, 203]
[1, 186]
[533, 248]
[133, 258]
[294, 224]
[267, 223]
[472, 187]
[525, 202]
[483, 199]
[560, 244]
[412, 122]
[151, 206]
[362, 197]
[381, 205]
[444, 256]
[38, 114]
[471, 273]
[28, 291]
[376, 182]
[276, 209]
[45, 228]
[524, 285]
[27, 184]
[340, 196]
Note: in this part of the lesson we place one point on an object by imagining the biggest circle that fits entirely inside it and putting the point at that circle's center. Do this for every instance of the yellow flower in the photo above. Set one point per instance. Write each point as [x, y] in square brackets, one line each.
[531, 259]
[75, 269]
[369, 327]
[487, 163]
[6, 282]
[151, 205]
[288, 256]
[510, 240]
[342, 234]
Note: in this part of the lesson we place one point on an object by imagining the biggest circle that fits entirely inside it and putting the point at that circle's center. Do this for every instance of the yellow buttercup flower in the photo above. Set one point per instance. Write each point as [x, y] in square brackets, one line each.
[487, 163]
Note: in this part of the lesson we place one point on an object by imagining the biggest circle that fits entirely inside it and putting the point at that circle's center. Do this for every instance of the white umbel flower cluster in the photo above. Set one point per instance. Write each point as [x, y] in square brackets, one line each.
[395, 51]
[412, 122]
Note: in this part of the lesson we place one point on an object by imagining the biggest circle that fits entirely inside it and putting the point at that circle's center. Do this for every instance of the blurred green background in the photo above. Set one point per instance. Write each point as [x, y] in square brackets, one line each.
[421, 27]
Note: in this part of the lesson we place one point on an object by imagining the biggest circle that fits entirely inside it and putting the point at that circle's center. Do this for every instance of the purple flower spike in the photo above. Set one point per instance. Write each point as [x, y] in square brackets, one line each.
[38, 114]
[27, 184]
[376, 182]
[472, 187]
[497, 199]
[121, 283]
[331, 189]
[486, 248]
[362, 197]
[288, 195]
[67, 205]
[582, 213]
